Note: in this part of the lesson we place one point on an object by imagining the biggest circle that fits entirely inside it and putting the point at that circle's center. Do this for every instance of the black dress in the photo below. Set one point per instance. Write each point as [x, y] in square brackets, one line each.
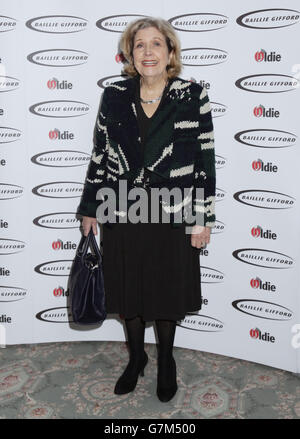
[150, 269]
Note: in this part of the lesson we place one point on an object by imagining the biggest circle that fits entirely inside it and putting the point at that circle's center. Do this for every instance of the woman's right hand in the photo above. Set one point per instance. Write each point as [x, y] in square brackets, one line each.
[88, 223]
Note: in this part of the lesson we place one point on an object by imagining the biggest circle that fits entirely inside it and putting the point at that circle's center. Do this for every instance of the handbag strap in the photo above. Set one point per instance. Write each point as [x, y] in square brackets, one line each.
[94, 244]
[86, 242]
[83, 245]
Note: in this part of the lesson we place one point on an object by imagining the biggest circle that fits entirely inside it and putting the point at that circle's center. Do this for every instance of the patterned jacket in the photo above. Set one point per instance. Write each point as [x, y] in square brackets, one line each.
[178, 152]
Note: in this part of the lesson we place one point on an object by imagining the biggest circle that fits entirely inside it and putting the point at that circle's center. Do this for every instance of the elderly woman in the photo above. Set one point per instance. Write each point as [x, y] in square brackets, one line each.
[153, 130]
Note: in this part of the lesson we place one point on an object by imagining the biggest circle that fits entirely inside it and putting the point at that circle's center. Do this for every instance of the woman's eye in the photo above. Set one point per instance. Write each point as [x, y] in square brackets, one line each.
[156, 43]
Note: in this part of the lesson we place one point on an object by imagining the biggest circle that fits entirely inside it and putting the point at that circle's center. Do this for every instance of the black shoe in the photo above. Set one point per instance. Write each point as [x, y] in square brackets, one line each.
[125, 384]
[166, 381]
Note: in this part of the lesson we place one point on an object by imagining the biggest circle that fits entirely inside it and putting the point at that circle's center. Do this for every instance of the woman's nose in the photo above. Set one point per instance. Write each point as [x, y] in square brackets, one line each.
[148, 49]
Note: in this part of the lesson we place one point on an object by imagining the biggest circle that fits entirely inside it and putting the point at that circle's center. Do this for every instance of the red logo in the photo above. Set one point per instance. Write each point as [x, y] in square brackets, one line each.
[120, 58]
[52, 83]
[258, 111]
[257, 165]
[262, 55]
[53, 134]
[256, 231]
[56, 245]
[266, 285]
[254, 333]
[57, 292]
[259, 56]
[255, 282]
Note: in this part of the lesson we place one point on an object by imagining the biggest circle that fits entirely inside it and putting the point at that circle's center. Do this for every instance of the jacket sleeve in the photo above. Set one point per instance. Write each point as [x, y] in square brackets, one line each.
[97, 166]
[205, 171]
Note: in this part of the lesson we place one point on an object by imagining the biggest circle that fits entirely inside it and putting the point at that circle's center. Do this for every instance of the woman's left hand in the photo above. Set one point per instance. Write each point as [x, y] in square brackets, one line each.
[200, 236]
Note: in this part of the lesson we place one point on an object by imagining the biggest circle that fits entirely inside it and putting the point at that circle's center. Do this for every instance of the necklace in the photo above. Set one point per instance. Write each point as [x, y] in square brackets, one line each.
[151, 101]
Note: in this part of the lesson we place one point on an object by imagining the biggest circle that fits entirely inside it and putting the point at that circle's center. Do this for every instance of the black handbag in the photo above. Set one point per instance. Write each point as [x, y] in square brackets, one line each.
[86, 283]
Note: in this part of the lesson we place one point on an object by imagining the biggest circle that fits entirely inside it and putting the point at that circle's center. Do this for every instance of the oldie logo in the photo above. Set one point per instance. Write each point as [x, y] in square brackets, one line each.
[259, 165]
[8, 83]
[263, 56]
[261, 111]
[58, 57]
[59, 189]
[57, 24]
[264, 199]
[199, 22]
[12, 294]
[262, 309]
[58, 220]
[8, 135]
[58, 314]
[269, 18]
[268, 83]
[203, 56]
[61, 245]
[56, 84]
[259, 232]
[56, 134]
[263, 258]
[117, 23]
[54, 268]
[60, 292]
[62, 108]
[258, 335]
[63, 158]
[257, 283]
[198, 322]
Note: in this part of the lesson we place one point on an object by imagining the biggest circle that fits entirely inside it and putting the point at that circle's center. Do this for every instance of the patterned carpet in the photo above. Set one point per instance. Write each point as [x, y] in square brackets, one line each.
[76, 380]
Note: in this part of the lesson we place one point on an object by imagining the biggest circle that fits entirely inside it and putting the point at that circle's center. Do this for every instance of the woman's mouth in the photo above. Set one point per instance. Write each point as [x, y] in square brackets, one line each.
[149, 63]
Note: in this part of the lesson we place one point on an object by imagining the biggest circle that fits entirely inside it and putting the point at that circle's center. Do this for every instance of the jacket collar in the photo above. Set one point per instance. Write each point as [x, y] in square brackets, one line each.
[165, 110]
[131, 87]
[164, 117]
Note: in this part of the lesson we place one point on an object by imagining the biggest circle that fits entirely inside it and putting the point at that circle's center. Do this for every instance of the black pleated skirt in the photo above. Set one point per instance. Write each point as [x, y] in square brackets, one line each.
[150, 270]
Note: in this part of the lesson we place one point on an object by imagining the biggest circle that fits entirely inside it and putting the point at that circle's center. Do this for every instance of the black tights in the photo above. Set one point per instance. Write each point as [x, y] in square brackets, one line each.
[135, 335]
[136, 332]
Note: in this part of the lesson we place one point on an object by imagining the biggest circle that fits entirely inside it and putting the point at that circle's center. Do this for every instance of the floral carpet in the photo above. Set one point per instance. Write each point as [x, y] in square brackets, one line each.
[75, 380]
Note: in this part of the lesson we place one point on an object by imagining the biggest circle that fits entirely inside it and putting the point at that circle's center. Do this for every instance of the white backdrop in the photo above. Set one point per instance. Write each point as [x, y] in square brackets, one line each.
[56, 59]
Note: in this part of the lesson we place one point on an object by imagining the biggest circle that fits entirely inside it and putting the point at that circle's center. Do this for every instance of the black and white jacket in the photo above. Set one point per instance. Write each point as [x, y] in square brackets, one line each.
[179, 149]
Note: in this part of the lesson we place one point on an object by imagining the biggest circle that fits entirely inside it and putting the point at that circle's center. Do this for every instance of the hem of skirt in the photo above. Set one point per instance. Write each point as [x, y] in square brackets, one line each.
[156, 317]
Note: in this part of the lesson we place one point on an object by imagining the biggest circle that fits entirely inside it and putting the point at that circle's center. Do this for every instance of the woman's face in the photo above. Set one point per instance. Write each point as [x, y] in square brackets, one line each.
[150, 53]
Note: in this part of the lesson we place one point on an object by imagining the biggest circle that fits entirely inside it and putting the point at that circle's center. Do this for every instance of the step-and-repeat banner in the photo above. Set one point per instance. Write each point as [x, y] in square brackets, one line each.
[55, 61]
